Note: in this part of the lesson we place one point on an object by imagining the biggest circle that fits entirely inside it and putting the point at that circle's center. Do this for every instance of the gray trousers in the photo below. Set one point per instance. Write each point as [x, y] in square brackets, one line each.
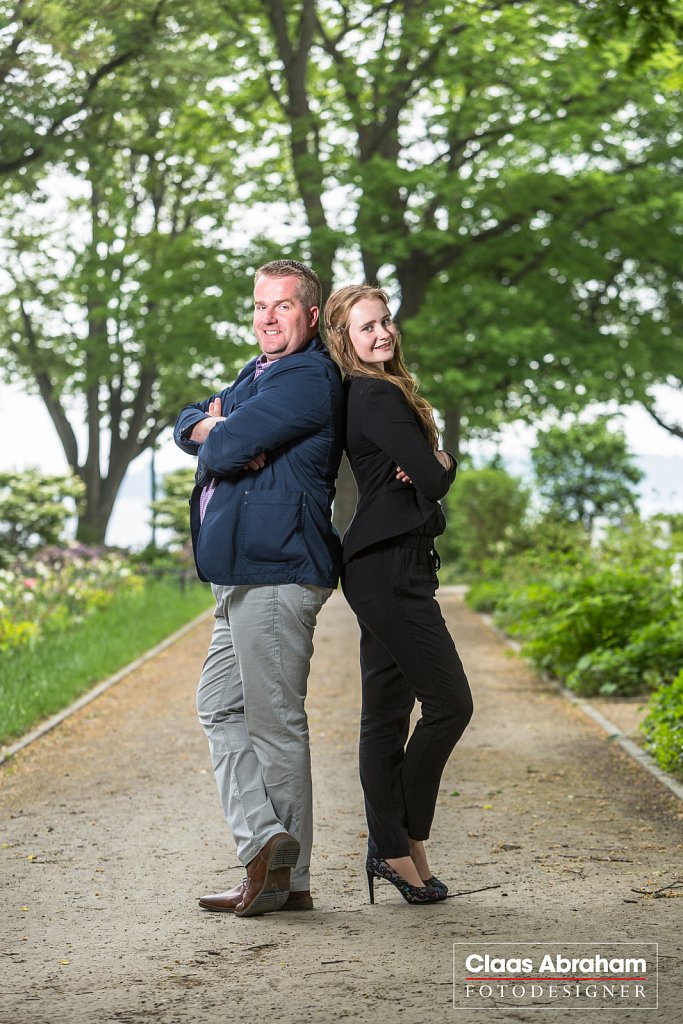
[250, 702]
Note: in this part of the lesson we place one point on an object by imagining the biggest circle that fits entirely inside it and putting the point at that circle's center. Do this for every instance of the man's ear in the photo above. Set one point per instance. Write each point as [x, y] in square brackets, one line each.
[314, 316]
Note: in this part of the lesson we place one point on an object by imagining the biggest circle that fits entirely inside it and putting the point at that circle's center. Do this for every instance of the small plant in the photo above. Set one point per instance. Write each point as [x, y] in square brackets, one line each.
[663, 726]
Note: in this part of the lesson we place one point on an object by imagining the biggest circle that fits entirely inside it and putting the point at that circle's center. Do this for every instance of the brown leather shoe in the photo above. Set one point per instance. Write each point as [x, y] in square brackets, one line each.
[224, 902]
[268, 876]
[301, 900]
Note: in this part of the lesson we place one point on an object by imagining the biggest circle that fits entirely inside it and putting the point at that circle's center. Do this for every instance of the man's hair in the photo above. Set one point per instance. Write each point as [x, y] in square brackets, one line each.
[309, 290]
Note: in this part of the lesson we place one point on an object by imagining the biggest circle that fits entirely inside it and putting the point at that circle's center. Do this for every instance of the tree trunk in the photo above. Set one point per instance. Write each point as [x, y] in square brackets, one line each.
[452, 431]
[451, 437]
[345, 499]
[93, 521]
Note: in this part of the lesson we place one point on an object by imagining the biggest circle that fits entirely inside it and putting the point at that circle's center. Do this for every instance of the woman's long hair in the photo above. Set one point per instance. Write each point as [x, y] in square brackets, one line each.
[337, 314]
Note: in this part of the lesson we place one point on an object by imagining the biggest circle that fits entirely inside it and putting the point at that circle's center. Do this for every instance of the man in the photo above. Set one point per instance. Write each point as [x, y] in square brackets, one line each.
[269, 449]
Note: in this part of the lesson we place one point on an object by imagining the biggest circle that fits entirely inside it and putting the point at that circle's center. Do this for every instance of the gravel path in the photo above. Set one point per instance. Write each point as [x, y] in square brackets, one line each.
[111, 828]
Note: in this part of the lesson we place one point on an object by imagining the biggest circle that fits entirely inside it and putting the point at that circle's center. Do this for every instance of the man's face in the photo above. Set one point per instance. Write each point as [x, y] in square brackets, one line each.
[281, 323]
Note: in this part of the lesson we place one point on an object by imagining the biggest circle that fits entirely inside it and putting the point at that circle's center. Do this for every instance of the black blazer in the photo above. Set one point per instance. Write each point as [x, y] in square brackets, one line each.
[383, 432]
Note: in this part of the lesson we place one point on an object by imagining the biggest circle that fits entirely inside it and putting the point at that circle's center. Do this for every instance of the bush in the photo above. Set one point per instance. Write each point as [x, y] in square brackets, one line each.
[34, 510]
[607, 620]
[485, 513]
[663, 726]
[652, 658]
[487, 595]
[171, 510]
[567, 617]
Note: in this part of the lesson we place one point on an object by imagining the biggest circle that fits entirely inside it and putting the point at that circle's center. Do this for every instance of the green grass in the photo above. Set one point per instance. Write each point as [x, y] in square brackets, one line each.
[39, 681]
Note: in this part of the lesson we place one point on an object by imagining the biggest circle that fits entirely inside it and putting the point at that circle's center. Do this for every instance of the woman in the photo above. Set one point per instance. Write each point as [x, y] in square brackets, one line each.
[389, 579]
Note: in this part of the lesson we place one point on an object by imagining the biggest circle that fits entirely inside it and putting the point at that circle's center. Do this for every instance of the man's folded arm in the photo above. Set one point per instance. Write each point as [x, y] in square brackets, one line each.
[289, 405]
[185, 423]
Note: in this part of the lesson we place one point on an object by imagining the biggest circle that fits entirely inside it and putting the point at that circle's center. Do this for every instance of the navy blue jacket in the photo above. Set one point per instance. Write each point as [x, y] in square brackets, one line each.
[272, 525]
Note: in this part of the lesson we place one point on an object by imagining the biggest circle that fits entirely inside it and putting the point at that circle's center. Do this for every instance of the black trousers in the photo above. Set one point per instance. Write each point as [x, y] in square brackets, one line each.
[407, 654]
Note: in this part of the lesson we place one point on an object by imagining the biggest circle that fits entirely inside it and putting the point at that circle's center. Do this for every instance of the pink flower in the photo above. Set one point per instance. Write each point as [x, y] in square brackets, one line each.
[30, 583]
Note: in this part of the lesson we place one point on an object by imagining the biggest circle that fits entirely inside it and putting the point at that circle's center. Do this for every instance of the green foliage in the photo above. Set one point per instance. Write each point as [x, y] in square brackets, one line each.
[510, 171]
[603, 621]
[586, 470]
[485, 512]
[486, 595]
[171, 509]
[120, 296]
[652, 656]
[45, 678]
[649, 27]
[663, 726]
[567, 617]
[34, 510]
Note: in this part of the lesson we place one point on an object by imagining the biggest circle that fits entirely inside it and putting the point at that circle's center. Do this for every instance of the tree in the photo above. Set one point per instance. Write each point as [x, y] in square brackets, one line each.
[46, 94]
[648, 27]
[120, 297]
[502, 175]
[649, 404]
[585, 471]
[508, 168]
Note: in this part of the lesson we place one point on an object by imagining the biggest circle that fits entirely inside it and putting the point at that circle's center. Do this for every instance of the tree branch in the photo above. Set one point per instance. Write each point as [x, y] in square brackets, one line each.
[675, 429]
[48, 393]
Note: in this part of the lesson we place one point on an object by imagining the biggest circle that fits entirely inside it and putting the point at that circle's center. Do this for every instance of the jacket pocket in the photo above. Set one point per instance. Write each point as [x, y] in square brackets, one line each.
[272, 526]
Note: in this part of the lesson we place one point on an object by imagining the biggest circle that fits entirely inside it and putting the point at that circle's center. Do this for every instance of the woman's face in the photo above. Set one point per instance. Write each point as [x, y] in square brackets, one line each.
[372, 332]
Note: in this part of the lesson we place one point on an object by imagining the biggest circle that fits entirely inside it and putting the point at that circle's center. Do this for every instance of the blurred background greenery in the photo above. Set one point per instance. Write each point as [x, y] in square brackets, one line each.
[508, 170]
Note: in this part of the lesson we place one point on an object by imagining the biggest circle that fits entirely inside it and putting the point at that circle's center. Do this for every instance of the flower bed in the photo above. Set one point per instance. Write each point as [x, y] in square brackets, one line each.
[58, 589]
[72, 617]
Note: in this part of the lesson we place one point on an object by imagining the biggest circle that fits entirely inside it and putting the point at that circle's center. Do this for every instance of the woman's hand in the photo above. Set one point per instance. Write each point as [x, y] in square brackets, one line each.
[403, 477]
[445, 459]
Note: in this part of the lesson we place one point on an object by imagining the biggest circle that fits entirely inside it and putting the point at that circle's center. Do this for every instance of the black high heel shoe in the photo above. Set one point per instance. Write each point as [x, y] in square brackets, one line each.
[415, 894]
[436, 884]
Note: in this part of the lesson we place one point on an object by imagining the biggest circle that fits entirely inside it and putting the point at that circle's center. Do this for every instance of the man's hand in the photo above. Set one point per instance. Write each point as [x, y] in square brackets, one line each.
[258, 462]
[201, 430]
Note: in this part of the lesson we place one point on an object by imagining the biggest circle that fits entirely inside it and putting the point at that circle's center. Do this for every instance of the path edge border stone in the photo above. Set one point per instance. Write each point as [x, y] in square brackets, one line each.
[613, 732]
[96, 691]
